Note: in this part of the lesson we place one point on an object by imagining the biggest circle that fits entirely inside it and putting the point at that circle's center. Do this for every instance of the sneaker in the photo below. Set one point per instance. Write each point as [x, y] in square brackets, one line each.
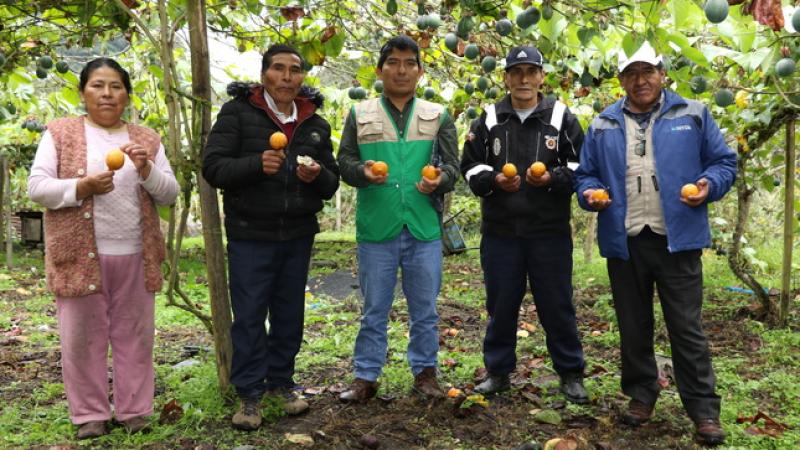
[92, 429]
[493, 384]
[293, 404]
[248, 417]
[709, 432]
[136, 424]
[425, 384]
[360, 391]
[572, 388]
[637, 413]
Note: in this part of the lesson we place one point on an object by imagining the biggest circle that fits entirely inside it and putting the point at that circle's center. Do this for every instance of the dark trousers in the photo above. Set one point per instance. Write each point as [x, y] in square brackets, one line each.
[679, 280]
[267, 281]
[508, 264]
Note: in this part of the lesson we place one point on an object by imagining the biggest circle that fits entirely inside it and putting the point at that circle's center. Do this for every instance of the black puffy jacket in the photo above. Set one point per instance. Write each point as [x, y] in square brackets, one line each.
[531, 210]
[268, 207]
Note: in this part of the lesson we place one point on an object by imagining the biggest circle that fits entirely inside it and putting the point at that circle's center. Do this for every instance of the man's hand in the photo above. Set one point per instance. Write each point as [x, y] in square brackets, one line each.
[95, 184]
[308, 173]
[507, 184]
[697, 200]
[139, 156]
[427, 186]
[271, 161]
[541, 181]
[371, 177]
[594, 203]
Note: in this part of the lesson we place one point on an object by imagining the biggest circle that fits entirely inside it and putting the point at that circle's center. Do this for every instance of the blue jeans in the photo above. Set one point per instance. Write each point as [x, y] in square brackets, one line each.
[421, 262]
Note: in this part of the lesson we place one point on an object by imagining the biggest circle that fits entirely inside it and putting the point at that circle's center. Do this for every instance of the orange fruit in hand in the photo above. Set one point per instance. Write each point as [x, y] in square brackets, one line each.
[538, 169]
[115, 159]
[689, 190]
[600, 194]
[380, 168]
[509, 170]
[429, 172]
[278, 140]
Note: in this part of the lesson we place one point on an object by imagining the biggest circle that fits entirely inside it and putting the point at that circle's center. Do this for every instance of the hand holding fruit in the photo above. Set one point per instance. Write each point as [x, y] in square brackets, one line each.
[95, 184]
[138, 156]
[598, 199]
[272, 159]
[308, 172]
[507, 179]
[431, 177]
[537, 175]
[376, 171]
[695, 194]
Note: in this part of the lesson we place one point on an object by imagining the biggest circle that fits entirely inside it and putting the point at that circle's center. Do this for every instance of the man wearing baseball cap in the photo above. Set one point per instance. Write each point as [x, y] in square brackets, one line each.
[643, 149]
[525, 224]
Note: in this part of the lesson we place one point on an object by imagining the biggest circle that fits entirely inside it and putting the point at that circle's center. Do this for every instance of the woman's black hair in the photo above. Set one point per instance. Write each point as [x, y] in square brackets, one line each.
[95, 64]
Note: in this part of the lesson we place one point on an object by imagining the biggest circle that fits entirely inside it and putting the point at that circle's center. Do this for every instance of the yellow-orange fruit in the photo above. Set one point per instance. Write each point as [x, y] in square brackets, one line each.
[509, 170]
[538, 169]
[278, 140]
[600, 194]
[380, 168]
[429, 172]
[689, 190]
[115, 159]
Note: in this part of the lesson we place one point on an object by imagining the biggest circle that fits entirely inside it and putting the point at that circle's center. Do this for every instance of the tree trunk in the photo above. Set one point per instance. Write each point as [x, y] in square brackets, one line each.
[588, 240]
[212, 227]
[5, 207]
[788, 225]
[736, 261]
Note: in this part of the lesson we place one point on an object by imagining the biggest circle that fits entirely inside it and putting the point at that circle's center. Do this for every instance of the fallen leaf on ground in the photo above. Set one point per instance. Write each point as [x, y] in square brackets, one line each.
[547, 416]
[299, 439]
[771, 427]
[170, 413]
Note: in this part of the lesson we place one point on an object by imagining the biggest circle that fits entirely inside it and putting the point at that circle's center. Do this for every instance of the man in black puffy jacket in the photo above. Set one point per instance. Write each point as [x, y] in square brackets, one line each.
[526, 213]
[271, 196]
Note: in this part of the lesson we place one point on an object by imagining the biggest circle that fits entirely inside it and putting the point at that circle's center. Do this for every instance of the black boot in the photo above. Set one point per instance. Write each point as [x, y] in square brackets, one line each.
[572, 388]
[493, 384]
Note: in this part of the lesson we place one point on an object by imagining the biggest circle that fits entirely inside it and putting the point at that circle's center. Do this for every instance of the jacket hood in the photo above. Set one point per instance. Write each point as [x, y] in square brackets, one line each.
[243, 89]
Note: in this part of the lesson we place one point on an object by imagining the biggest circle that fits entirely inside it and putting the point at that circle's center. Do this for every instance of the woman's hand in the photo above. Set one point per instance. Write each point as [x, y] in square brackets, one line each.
[139, 156]
[96, 184]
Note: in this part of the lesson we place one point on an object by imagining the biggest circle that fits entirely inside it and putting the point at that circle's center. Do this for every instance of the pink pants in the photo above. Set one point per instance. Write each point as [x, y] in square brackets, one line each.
[123, 314]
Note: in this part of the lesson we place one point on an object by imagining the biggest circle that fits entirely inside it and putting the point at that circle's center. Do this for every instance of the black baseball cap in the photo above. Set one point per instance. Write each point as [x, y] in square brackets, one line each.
[524, 54]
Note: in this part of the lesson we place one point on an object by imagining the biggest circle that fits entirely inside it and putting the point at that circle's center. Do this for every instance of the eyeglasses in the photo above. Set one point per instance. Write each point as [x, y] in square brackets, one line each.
[641, 145]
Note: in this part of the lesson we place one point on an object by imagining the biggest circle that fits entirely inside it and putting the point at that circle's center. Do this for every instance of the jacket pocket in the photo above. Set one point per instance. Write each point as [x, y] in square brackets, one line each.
[370, 129]
[428, 123]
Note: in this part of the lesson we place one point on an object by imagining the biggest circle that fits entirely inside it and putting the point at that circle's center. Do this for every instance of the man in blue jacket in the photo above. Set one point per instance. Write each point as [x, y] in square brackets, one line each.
[642, 150]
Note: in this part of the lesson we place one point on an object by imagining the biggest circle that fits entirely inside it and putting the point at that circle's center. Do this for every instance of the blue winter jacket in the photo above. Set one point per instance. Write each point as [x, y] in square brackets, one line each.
[688, 146]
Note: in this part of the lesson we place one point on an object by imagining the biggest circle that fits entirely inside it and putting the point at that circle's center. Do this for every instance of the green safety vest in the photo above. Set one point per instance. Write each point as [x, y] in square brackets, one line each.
[383, 209]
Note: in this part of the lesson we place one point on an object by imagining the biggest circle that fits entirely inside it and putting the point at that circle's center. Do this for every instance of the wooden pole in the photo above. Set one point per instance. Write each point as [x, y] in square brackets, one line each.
[7, 207]
[788, 223]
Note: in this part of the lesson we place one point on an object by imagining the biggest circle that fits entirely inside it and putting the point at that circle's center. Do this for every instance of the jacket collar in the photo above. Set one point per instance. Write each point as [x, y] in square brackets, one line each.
[504, 107]
[305, 108]
[671, 100]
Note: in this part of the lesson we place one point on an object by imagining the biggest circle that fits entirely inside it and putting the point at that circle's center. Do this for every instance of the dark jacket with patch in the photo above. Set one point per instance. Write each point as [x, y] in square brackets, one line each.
[531, 210]
[265, 207]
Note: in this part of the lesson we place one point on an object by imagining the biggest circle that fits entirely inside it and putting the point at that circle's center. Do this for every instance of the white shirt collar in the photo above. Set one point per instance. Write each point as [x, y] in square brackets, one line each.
[283, 118]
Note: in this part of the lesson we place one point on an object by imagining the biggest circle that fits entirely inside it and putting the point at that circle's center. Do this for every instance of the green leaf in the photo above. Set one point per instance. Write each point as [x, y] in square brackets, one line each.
[71, 95]
[631, 42]
[333, 46]
[156, 71]
[547, 416]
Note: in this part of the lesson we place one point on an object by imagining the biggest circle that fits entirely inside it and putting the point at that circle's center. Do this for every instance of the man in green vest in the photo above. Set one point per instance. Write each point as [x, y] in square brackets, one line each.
[386, 143]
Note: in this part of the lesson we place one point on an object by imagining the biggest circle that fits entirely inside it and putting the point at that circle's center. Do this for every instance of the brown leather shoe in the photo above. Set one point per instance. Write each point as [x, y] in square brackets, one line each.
[425, 384]
[136, 424]
[92, 429]
[709, 432]
[360, 391]
[637, 413]
[248, 417]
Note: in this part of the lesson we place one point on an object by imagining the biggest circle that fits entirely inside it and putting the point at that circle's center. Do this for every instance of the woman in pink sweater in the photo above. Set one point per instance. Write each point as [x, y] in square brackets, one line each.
[104, 249]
